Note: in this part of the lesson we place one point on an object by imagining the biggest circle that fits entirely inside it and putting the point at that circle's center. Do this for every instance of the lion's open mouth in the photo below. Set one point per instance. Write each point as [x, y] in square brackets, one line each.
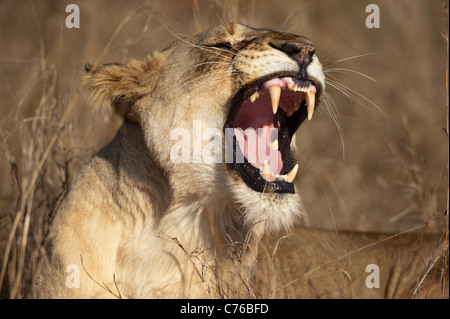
[264, 119]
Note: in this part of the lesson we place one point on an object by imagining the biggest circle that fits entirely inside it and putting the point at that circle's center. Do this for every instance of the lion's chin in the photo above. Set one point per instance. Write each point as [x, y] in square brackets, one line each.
[269, 212]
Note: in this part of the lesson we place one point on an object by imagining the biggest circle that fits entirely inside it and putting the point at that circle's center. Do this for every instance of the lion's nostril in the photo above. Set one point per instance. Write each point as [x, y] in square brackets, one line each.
[299, 50]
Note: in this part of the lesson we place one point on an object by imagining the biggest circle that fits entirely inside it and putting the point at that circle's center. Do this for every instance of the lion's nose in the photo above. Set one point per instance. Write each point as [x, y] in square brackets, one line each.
[299, 51]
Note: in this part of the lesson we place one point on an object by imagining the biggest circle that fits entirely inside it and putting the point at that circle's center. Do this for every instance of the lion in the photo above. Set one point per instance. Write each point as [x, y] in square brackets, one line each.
[197, 186]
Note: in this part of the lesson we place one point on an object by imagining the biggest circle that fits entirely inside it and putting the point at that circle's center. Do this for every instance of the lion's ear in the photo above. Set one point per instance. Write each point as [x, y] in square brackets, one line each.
[121, 86]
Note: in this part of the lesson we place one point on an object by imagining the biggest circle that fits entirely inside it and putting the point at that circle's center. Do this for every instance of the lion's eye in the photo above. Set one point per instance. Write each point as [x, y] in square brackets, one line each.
[221, 45]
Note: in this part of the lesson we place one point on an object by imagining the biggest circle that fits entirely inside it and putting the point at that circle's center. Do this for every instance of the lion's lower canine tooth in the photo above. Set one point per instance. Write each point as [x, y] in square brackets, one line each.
[266, 168]
[310, 102]
[275, 92]
[274, 145]
[254, 97]
[291, 175]
[266, 171]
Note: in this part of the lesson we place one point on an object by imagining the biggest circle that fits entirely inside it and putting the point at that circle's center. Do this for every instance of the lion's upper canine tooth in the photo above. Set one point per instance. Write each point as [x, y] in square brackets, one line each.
[310, 102]
[291, 175]
[275, 92]
[254, 97]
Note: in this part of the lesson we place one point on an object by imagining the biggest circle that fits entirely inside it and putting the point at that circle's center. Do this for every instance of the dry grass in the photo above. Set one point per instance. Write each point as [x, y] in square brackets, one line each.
[393, 175]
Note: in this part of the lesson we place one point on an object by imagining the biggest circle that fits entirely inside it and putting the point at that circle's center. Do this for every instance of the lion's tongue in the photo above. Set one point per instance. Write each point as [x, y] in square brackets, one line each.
[257, 136]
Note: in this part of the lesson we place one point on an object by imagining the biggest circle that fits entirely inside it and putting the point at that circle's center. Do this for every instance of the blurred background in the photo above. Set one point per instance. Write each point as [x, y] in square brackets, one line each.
[374, 158]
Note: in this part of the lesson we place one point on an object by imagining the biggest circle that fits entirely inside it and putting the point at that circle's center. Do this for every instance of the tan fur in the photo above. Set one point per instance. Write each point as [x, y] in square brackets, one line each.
[138, 225]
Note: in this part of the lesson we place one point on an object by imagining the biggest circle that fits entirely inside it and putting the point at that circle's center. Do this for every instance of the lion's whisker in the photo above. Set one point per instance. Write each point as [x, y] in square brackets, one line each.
[205, 46]
[222, 75]
[333, 112]
[343, 70]
[225, 50]
[352, 94]
[355, 57]
[343, 91]
[219, 49]
[204, 63]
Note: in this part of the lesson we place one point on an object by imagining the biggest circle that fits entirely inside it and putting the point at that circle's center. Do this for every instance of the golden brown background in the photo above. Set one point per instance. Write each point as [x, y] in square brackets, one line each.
[385, 169]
